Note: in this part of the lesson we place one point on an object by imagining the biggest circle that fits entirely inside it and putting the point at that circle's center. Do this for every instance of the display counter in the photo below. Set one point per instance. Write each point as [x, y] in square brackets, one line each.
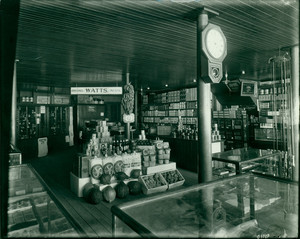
[31, 210]
[244, 206]
[185, 151]
[244, 158]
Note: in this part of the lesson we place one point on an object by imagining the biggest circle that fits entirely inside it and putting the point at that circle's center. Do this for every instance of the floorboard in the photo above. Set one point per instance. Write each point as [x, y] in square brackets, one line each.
[93, 220]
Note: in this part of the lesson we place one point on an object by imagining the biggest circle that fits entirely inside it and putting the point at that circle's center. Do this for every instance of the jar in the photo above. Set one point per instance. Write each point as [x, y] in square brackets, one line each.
[167, 156]
[261, 91]
[167, 151]
[153, 157]
[266, 91]
[161, 156]
[146, 158]
[160, 151]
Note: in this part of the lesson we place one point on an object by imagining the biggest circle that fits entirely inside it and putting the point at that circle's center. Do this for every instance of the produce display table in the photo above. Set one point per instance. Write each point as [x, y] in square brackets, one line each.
[269, 208]
[243, 156]
[185, 151]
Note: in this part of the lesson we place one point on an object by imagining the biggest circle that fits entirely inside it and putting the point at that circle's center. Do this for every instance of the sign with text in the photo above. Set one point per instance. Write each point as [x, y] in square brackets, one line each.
[96, 90]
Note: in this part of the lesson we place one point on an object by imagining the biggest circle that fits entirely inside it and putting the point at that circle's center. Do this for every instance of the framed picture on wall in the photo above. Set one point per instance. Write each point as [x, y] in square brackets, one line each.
[248, 88]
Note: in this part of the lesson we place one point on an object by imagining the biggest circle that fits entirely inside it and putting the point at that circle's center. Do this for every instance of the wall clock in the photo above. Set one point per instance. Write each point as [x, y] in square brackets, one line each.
[213, 52]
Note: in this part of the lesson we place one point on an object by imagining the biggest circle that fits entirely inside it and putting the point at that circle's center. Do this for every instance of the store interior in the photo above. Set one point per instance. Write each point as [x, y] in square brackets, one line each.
[113, 108]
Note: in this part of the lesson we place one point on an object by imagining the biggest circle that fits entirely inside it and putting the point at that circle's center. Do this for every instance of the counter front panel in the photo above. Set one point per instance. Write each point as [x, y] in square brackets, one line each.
[31, 210]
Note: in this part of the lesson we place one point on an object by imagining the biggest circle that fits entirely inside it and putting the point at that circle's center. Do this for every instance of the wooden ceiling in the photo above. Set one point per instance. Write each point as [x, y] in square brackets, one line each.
[95, 43]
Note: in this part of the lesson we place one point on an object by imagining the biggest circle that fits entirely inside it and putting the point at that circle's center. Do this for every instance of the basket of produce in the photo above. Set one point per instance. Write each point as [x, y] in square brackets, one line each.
[153, 183]
[173, 178]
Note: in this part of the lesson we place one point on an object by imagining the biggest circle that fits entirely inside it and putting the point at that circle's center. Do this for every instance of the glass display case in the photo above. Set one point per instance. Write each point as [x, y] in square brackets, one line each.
[243, 206]
[31, 210]
[245, 159]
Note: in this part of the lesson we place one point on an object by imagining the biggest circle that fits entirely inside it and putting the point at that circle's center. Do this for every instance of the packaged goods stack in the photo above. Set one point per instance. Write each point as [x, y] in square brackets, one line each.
[233, 126]
[103, 170]
[163, 152]
[159, 173]
[149, 157]
[107, 165]
[215, 135]
[104, 158]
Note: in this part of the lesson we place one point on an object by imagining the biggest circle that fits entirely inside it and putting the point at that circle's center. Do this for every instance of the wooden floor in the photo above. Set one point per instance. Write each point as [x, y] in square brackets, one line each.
[92, 220]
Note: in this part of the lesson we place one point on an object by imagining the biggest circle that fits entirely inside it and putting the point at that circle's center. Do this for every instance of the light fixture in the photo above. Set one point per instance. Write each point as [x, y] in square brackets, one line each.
[243, 72]
[166, 85]
[194, 80]
[148, 88]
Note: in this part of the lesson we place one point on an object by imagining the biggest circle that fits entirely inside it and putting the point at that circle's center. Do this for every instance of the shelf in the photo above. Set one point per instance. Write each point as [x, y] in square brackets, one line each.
[26, 196]
[172, 116]
[173, 109]
[169, 123]
[36, 104]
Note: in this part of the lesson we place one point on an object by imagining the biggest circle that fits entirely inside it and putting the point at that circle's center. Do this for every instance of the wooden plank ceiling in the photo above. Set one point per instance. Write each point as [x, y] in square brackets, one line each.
[95, 43]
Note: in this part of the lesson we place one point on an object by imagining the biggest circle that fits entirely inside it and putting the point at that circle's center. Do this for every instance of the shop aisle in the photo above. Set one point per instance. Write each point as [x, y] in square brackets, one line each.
[92, 220]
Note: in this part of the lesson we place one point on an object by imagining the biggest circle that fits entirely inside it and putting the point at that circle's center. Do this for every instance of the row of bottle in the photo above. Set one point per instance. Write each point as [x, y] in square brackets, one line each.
[117, 146]
[186, 133]
[275, 91]
[280, 166]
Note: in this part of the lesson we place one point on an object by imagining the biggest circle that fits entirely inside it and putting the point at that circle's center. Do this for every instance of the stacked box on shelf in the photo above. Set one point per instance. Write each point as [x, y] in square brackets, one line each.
[183, 95]
[145, 99]
[191, 94]
[182, 105]
[191, 104]
[152, 107]
[174, 120]
[215, 114]
[164, 97]
[173, 113]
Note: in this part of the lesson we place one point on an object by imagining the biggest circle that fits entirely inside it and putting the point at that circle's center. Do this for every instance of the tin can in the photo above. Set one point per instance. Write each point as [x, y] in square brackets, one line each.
[261, 92]
[266, 91]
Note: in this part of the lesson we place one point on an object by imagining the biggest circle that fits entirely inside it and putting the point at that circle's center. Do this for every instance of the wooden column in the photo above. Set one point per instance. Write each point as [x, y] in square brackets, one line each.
[136, 108]
[127, 125]
[295, 108]
[13, 139]
[204, 111]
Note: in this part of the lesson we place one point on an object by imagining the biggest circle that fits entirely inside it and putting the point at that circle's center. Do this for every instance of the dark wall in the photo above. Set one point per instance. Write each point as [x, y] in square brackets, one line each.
[9, 11]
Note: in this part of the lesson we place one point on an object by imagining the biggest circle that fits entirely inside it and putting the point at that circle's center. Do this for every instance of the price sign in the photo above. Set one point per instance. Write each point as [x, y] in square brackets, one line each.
[128, 118]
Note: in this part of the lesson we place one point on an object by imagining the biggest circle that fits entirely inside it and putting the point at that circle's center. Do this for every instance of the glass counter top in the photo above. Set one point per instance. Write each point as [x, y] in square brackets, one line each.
[31, 210]
[243, 155]
[244, 206]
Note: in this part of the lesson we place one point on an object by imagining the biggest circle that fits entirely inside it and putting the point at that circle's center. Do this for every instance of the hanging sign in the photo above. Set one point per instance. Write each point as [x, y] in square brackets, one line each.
[128, 118]
[96, 91]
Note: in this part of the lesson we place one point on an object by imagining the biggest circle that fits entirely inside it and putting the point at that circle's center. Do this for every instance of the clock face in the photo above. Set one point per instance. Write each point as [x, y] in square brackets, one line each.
[215, 43]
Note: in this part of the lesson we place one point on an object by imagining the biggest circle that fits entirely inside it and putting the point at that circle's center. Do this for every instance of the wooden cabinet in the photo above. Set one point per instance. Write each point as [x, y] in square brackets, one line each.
[35, 121]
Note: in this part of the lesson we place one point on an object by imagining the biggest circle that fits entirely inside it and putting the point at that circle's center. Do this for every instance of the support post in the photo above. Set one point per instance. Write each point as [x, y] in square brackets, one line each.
[127, 125]
[295, 108]
[204, 163]
[13, 139]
